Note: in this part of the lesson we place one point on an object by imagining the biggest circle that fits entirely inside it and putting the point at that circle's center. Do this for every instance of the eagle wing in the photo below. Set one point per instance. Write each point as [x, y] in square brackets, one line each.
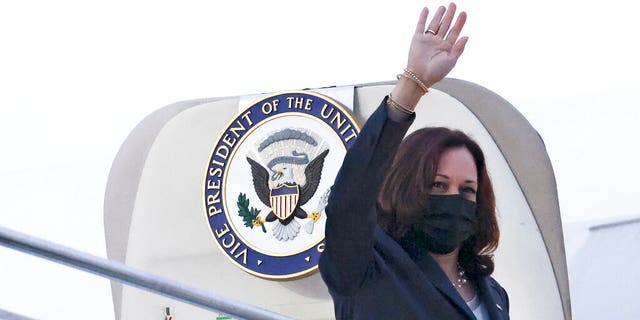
[312, 172]
[260, 181]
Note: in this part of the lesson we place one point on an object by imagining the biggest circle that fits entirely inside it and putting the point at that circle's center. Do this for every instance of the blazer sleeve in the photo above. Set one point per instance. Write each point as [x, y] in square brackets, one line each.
[351, 214]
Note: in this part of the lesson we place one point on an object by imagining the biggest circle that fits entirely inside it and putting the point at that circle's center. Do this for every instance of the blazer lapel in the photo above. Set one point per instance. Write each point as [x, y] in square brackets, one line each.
[439, 279]
[493, 304]
[426, 269]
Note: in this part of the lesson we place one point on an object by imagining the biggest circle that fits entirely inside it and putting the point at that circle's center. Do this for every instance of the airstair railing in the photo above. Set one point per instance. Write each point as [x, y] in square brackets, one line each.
[120, 272]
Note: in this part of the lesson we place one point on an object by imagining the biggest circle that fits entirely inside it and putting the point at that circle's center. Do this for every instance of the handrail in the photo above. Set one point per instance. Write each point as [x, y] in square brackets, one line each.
[132, 276]
[7, 315]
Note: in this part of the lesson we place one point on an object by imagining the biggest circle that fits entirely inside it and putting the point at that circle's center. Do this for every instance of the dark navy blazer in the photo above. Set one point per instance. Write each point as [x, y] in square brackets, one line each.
[369, 275]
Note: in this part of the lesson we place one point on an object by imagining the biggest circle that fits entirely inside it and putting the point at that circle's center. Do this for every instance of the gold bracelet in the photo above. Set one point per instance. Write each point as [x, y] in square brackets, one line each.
[413, 77]
[399, 107]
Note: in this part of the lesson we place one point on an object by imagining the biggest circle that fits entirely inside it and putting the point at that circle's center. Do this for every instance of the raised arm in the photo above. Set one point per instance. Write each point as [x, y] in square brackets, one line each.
[351, 211]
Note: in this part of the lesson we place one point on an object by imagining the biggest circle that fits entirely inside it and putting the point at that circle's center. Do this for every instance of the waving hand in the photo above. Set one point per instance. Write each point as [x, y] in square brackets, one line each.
[435, 49]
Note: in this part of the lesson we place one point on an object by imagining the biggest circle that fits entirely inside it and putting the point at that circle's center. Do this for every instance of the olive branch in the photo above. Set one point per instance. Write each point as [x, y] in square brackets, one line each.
[249, 215]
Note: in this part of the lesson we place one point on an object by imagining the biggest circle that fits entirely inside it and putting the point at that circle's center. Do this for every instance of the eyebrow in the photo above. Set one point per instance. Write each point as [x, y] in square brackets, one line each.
[447, 177]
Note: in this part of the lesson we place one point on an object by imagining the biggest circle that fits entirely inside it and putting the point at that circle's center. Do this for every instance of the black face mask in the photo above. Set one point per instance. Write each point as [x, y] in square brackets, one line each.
[445, 224]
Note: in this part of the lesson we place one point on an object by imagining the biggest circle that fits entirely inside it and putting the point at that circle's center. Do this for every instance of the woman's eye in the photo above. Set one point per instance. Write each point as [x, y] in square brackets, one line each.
[438, 185]
[469, 190]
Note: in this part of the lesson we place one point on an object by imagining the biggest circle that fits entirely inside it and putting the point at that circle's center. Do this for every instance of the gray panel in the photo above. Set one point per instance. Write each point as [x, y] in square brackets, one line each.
[122, 184]
[526, 154]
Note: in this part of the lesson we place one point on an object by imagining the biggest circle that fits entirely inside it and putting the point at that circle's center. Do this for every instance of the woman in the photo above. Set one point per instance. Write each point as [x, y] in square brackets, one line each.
[411, 226]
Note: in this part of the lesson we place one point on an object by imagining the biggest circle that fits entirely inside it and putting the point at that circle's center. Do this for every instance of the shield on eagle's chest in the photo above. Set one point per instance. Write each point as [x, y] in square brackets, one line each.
[284, 200]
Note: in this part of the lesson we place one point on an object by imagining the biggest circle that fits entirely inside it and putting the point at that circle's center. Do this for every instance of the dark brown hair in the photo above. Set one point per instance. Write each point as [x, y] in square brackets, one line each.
[405, 192]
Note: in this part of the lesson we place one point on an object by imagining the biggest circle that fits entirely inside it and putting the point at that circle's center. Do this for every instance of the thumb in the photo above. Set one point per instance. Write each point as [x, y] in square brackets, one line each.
[458, 47]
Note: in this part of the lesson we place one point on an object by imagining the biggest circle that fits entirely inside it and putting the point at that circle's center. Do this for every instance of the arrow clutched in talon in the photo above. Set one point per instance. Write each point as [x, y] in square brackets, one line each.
[308, 227]
[315, 216]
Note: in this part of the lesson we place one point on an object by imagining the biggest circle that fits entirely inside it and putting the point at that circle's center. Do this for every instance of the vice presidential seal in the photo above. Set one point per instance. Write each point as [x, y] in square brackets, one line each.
[269, 178]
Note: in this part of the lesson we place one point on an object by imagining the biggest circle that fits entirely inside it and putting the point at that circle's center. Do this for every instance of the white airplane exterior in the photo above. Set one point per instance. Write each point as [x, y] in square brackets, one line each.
[182, 199]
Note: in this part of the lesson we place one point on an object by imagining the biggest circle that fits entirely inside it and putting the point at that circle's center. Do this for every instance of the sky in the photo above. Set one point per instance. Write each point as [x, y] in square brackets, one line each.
[77, 76]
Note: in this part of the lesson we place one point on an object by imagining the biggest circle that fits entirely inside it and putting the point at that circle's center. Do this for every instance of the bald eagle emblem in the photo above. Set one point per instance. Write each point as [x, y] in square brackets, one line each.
[288, 181]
